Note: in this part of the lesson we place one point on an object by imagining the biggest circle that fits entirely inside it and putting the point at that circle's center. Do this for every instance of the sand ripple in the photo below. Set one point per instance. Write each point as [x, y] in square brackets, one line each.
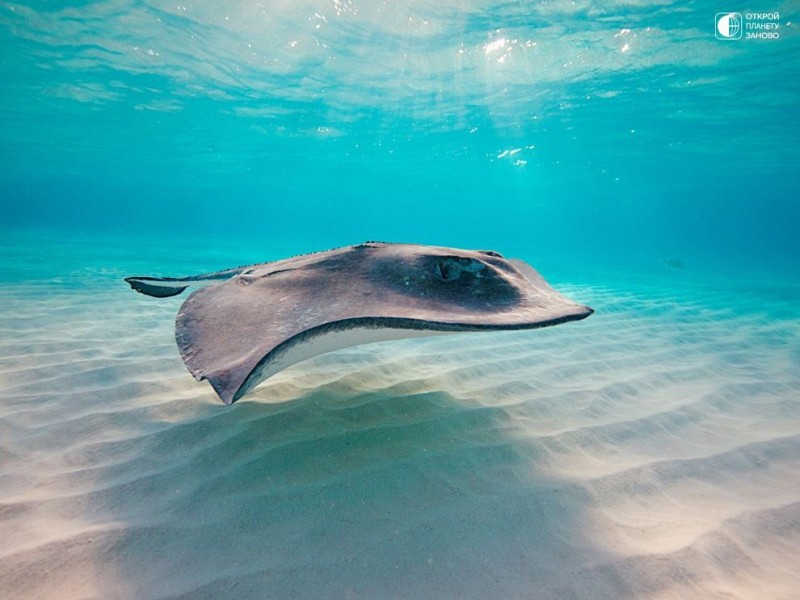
[652, 451]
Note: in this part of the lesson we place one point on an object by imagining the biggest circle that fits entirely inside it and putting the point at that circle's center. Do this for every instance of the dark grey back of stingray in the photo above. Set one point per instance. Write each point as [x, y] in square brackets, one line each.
[226, 330]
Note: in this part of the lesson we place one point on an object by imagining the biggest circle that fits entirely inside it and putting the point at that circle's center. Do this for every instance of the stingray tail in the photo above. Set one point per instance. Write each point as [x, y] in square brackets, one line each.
[157, 287]
[164, 287]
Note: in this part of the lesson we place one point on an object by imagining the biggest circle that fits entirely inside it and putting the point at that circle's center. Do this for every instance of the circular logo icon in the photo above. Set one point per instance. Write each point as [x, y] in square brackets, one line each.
[728, 26]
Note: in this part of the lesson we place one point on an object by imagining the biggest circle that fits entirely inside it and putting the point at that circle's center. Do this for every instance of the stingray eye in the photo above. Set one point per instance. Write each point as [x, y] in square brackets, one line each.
[453, 267]
[446, 269]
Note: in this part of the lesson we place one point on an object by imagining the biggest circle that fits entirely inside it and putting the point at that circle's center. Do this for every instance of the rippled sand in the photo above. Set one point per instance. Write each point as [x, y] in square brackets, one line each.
[652, 451]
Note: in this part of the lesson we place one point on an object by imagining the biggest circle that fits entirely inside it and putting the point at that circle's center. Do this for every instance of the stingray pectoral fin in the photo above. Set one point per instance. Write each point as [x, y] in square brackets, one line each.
[238, 376]
[227, 383]
[153, 286]
[529, 272]
[539, 282]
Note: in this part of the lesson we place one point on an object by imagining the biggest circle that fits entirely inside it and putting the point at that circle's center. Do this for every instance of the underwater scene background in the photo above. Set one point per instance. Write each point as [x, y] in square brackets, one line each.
[643, 156]
[612, 130]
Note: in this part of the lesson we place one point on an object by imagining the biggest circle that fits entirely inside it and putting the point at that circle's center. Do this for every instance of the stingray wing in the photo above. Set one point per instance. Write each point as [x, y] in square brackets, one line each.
[229, 332]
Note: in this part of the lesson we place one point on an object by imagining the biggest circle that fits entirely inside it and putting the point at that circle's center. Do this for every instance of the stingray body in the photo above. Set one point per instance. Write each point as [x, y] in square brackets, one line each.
[250, 322]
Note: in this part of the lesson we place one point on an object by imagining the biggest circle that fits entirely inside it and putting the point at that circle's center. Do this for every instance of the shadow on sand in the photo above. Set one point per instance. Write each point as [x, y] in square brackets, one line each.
[345, 494]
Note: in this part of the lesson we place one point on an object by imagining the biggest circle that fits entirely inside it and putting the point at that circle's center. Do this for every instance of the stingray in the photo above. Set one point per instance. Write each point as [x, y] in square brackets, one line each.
[248, 323]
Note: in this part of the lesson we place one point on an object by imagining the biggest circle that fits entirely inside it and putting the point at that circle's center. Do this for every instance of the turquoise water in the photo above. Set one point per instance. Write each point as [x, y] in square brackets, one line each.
[643, 166]
[623, 132]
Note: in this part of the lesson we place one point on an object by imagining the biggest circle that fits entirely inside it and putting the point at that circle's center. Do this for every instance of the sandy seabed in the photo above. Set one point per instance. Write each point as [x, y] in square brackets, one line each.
[651, 451]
